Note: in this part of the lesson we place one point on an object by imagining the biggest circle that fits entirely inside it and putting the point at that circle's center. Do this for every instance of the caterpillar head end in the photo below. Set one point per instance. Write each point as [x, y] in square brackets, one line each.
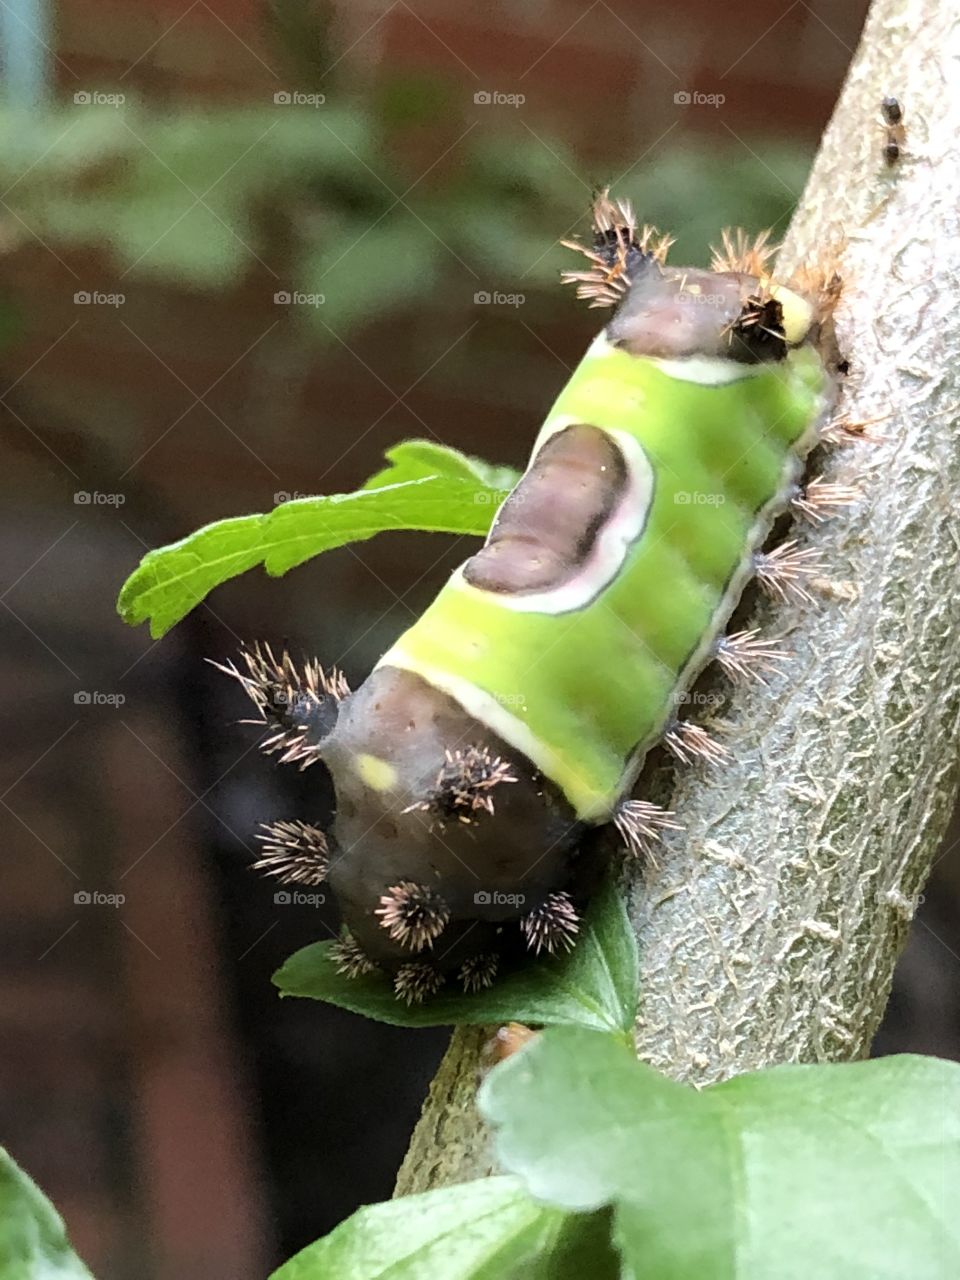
[736, 310]
[806, 299]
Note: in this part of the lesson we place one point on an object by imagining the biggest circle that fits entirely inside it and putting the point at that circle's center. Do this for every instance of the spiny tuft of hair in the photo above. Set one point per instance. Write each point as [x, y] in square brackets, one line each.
[742, 254]
[759, 326]
[618, 250]
[785, 571]
[349, 959]
[413, 914]
[745, 655]
[465, 784]
[294, 852]
[478, 972]
[641, 824]
[820, 499]
[553, 925]
[285, 697]
[414, 983]
[820, 282]
[690, 742]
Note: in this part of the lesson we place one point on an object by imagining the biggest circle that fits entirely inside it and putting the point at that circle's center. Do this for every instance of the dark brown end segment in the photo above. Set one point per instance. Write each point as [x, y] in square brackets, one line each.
[419, 883]
[547, 527]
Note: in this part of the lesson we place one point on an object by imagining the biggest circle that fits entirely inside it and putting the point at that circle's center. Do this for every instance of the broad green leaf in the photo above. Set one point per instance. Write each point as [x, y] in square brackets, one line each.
[843, 1172]
[33, 1240]
[301, 529]
[172, 580]
[414, 459]
[485, 1230]
[593, 986]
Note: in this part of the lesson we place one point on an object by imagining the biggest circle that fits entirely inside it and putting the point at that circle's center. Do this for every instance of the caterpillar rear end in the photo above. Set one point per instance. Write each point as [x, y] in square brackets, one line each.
[482, 767]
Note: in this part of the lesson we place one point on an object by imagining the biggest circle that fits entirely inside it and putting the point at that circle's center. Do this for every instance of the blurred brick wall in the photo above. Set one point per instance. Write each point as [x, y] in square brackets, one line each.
[124, 1095]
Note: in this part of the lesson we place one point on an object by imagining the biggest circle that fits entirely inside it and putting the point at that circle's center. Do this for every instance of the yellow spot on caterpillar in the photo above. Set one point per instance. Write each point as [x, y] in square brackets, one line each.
[797, 314]
[378, 774]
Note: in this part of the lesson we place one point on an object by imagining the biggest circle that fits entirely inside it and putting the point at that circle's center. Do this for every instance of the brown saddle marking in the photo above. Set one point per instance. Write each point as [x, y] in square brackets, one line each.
[547, 527]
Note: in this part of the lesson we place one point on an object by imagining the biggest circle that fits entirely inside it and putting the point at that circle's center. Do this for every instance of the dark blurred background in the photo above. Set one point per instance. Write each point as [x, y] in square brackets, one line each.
[245, 248]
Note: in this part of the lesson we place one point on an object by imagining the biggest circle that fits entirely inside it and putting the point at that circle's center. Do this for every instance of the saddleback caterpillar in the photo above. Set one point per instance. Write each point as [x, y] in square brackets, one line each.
[484, 765]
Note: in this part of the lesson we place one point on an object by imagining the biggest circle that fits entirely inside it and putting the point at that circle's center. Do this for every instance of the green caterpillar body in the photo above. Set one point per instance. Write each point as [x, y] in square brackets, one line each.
[481, 766]
[582, 673]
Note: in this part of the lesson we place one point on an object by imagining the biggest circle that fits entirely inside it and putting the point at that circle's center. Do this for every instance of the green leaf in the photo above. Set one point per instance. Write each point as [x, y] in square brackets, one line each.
[299, 530]
[485, 1230]
[843, 1172]
[414, 459]
[172, 580]
[33, 1240]
[594, 986]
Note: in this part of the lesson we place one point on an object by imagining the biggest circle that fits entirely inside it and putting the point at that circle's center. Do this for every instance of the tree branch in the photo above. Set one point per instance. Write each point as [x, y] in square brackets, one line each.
[770, 930]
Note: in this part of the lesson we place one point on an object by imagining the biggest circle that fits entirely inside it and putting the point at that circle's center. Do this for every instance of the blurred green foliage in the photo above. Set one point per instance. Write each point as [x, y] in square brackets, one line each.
[376, 197]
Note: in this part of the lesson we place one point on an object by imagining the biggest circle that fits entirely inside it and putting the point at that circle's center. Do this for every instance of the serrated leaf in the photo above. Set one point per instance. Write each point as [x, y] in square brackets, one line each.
[414, 459]
[593, 986]
[301, 529]
[33, 1240]
[172, 580]
[843, 1172]
[485, 1230]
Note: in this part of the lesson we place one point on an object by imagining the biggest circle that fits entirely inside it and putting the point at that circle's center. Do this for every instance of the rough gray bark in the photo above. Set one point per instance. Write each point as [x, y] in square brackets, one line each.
[770, 930]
